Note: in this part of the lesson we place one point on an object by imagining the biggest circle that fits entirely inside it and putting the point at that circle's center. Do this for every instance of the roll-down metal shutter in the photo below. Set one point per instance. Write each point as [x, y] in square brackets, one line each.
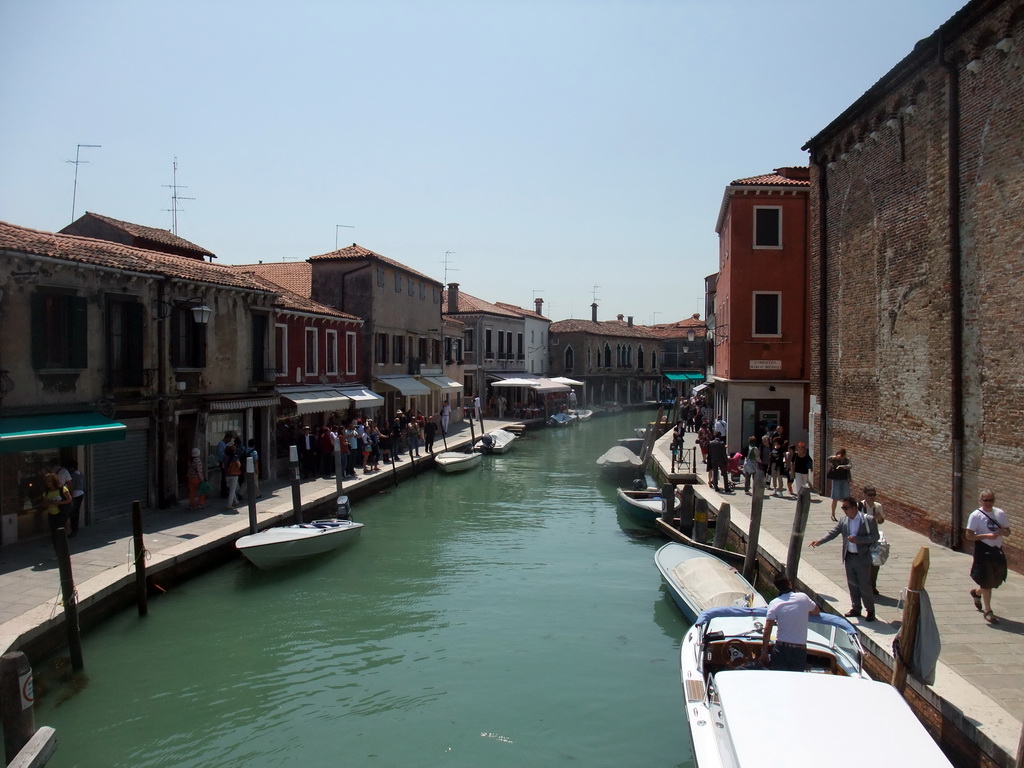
[120, 475]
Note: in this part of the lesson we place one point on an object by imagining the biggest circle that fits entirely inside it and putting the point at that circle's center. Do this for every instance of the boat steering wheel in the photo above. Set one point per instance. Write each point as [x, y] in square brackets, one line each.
[736, 653]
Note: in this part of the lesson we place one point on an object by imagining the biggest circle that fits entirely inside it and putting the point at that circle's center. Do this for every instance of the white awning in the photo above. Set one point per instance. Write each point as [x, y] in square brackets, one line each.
[528, 383]
[407, 385]
[699, 387]
[317, 400]
[441, 382]
[550, 385]
[565, 380]
[362, 397]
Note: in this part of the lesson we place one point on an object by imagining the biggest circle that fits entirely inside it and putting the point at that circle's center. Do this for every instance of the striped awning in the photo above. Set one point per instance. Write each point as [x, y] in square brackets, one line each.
[407, 385]
[241, 403]
[362, 397]
[441, 382]
[317, 399]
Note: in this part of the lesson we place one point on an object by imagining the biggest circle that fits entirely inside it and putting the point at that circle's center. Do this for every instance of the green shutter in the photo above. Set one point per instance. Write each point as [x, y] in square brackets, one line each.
[38, 331]
[78, 333]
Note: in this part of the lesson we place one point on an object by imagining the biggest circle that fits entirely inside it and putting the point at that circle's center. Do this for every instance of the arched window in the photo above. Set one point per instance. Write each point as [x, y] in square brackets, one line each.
[607, 355]
[654, 361]
[570, 359]
[590, 359]
[640, 358]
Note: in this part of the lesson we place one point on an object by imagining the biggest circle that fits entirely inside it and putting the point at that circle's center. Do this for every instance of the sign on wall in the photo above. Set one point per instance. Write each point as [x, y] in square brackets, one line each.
[766, 365]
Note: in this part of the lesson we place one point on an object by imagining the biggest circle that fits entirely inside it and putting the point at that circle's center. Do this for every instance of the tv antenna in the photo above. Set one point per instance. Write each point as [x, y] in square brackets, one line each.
[175, 198]
[336, 228]
[77, 162]
[446, 267]
[595, 293]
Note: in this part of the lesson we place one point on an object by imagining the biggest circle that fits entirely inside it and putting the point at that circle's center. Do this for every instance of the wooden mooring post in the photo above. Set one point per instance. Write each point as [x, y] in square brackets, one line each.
[722, 522]
[700, 521]
[70, 599]
[293, 463]
[17, 696]
[139, 558]
[686, 506]
[911, 614]
[796, 537]
[754, 532]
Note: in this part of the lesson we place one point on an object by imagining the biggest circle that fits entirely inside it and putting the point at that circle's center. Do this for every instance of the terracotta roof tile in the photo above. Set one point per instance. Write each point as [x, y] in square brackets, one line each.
[102, 253]
[520, 310]
[469, 304]
[602, 328]
[152, 234]
[296, 276]
[775, 179]
[356, 252]
[289, 300]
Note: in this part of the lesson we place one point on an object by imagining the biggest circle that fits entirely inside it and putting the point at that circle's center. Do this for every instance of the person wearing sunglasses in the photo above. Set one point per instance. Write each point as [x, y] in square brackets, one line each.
[987, 527]
[859, 532]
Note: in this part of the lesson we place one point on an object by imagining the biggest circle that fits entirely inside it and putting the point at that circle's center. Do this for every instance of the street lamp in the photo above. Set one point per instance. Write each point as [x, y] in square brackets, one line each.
[200, 313]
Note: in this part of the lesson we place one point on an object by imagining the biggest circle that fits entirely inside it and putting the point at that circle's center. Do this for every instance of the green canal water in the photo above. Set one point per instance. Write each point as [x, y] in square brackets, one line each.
[506, 616]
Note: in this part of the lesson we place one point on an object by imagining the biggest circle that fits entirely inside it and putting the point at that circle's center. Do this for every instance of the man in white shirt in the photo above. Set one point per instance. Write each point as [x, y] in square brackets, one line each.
[790, 611]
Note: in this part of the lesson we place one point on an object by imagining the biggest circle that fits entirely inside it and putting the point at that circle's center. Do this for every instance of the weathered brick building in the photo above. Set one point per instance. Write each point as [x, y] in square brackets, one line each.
[917, 219]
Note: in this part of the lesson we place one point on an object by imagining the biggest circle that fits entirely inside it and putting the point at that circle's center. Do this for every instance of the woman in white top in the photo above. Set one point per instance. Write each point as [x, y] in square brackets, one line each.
[987, 527]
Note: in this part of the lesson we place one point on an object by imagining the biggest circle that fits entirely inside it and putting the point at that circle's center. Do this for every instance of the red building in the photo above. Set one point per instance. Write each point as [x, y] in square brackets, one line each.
[759, 362]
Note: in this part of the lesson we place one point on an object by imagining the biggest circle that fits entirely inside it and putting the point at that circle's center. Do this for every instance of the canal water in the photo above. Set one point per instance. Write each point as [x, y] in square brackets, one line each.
[506, 616]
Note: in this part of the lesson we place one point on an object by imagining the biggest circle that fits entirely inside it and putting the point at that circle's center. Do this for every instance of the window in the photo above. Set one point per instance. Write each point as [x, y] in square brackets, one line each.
[58, 331]
[469, 339]
[412, 287]
[188, 340]
[423, 290]
[380, 276]
[331, 363]
[124, 343]
[382, 348]
[435, 352]
[508, 345]
[281, 349]
[436, 295]
[607, 355]
[501, 345]
[398, 349]
[260, 350]
[488, 349]
[640, 358]
[350, 352]
[767, 314]
[767, 227]
[398, 283]
[312, 353]
[569, 359]
[519, 346]
[654, 361]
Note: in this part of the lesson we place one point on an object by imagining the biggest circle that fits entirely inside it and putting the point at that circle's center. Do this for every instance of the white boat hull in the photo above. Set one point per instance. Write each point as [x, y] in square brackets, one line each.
[502, 442]
[285, 544]
[453, 461]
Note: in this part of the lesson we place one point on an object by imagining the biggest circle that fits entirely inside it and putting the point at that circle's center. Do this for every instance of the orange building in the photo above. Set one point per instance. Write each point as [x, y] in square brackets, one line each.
[759, 352]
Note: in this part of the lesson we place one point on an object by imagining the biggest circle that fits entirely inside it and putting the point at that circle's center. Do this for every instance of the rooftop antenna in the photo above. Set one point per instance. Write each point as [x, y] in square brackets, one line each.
[595, 293]
[336, 228]
[77, 162]
[654, 318]
[175, 198]
[446, 267]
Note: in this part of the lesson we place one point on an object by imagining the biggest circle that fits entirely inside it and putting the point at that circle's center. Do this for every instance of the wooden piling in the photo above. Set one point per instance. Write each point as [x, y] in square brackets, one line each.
[911, 614]
[67, 589]
[754, 531]
[796, 536]
[700, 521]
[16, 699]
[139, 548]
[686, 505]
[293, 461]
[722, 522]
[250, 484]
[668, 503]
[339, 470]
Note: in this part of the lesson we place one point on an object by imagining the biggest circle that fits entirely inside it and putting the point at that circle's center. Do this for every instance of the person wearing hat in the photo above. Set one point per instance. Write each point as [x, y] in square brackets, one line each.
[196, 475]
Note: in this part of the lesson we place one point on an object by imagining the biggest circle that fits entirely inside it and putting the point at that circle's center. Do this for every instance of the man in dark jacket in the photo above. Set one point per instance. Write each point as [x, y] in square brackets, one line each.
[718, 461]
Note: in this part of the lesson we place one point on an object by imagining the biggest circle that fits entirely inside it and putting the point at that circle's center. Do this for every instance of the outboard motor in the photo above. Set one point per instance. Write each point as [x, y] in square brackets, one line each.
[344, 509]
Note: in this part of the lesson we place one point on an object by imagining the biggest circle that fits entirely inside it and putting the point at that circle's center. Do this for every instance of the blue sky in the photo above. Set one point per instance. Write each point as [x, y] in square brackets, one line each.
[551, 147]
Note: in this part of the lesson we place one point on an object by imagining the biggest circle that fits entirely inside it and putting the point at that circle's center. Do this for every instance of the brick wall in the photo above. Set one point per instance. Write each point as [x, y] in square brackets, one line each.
[887, 370]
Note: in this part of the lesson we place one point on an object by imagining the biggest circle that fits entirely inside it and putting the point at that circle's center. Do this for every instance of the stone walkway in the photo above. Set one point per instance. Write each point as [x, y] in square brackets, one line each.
[981, 665]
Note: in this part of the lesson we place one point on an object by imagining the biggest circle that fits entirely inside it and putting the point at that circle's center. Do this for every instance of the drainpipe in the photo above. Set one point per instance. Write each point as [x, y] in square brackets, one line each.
[956, 344]
[823, 308]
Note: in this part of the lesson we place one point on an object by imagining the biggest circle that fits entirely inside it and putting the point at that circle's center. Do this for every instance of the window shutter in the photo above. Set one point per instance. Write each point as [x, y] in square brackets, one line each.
[78, 333]
[38, 331]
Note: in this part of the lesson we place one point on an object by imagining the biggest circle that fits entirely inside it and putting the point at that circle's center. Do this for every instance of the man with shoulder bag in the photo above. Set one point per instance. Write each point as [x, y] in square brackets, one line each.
[987, 527]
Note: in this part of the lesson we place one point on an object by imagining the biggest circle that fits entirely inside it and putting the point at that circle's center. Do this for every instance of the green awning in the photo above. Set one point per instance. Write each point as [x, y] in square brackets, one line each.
[57, 430]
[684, 376]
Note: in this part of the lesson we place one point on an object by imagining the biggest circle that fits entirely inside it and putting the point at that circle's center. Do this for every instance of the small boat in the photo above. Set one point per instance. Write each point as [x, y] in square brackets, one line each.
[635, 444]
[644, 505]
[583, 415]
[497, 441]
[285, 544]
[456, 461]
[741, 715]
[698, 581]
[561, 420]
[619, 461]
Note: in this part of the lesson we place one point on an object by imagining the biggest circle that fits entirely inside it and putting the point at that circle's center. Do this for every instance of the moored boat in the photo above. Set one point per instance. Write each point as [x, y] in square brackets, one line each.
[285, 544]
[457, 461]
[741, 716]
[496, 441]
[643, 505]
[561, 420]
[618, 461]
[698, 580]
[582, 415]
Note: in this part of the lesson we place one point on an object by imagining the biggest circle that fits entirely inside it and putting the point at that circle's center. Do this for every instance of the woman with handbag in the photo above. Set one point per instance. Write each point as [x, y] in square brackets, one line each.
[196, 478]
[839, 467]
[987, 527]
[869, 506]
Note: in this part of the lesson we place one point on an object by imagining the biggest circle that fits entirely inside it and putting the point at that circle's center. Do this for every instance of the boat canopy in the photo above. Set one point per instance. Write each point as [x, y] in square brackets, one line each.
[731, 611]
[708, 584]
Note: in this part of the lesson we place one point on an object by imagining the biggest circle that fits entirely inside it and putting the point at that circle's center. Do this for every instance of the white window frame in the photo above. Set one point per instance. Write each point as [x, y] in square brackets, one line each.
[754, 243]
[281, 345]
[331, 360]
[350, 352]
[778, 315]
[312, 351]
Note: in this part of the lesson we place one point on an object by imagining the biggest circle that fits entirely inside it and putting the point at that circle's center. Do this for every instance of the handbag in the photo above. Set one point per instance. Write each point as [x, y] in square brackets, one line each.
[879, 551]
[832, 474]
[205, 488]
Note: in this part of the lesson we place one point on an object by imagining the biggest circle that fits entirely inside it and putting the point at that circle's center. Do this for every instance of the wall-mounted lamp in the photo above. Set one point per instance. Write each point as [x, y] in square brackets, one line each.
[200, 313]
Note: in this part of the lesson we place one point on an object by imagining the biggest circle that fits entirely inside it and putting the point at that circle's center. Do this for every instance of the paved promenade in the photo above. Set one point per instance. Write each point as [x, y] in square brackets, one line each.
[101, 554]
[981, 666]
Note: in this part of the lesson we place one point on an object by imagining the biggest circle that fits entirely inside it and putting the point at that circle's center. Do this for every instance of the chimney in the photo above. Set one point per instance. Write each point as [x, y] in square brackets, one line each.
[453, 298]
[593, 311]
[539, 304]
[629, 321]
[620, 317]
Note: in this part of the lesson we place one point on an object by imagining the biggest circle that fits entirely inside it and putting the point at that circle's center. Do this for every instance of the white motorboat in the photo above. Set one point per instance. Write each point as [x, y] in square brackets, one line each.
[742, 716]
[698, 580]
[496, 441]
[457, 461]
[619, 461]
[644, 505]
[285, 544]
[561, 420]
[582, 415]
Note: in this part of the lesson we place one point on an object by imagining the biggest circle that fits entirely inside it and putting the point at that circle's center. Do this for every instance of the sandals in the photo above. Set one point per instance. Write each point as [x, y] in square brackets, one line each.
[990, 617]
[977, 601]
